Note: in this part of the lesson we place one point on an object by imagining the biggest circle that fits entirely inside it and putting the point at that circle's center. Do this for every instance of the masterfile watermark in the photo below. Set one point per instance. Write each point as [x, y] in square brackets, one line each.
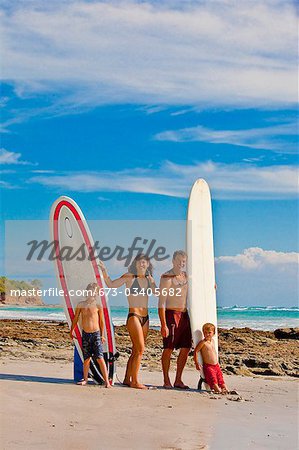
[99, 291]
[53, 251]
[50, 292]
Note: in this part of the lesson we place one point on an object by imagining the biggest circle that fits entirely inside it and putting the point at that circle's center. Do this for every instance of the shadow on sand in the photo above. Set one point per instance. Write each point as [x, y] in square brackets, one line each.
[34, 379]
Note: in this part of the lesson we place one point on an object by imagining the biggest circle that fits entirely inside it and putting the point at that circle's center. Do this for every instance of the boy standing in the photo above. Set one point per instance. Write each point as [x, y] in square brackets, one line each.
[92, 332]
[212, 372]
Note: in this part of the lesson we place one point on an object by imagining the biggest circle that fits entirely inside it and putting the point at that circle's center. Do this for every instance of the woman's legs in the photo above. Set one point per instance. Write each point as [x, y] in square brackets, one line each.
[145, 329]
[137, 338]
[127, 379]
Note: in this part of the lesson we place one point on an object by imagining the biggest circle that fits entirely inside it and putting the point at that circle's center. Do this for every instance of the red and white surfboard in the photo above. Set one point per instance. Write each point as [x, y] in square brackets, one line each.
[76, 267]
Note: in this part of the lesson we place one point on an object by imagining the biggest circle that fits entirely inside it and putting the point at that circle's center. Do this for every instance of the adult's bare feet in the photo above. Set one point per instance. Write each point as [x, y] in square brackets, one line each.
[181, 385]
[138, 386]
[82, 382]
[167, 386]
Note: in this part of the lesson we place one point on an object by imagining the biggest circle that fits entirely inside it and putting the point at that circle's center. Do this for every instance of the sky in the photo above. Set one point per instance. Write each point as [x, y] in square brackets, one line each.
[122, 105]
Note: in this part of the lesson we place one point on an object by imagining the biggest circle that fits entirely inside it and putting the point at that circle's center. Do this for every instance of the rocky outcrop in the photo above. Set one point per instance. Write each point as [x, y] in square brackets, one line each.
[241, 351]
[22, 300]
[20, 292]
[287, 333]
[251, 352]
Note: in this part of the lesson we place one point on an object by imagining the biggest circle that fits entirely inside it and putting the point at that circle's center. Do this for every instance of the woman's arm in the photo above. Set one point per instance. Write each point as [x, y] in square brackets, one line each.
[112, 283]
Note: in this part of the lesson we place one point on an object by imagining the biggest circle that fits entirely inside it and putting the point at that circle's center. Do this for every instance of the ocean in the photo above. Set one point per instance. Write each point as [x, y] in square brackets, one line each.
[255, 317]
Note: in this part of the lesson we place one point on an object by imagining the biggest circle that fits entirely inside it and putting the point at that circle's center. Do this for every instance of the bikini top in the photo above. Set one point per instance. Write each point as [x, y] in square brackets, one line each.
[136, 289]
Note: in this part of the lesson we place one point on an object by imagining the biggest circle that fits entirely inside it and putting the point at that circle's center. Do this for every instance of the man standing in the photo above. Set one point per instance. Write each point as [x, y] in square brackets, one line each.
[175, 322]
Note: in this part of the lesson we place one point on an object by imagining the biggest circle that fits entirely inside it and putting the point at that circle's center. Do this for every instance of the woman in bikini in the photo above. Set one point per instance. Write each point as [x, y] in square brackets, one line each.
[138, 281]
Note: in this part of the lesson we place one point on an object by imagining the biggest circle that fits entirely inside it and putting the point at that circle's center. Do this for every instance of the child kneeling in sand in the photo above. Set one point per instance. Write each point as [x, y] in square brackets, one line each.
[92, 333]
[212, 372]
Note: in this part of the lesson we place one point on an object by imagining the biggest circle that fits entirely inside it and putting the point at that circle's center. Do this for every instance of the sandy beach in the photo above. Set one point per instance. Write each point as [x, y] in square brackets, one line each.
[42, 408]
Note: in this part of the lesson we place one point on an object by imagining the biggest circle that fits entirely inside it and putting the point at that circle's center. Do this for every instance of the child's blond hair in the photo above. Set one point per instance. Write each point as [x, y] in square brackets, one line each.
[92, 287]
[209, 326]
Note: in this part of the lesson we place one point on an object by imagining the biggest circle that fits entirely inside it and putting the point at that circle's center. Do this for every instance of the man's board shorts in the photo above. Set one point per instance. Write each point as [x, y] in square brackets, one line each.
[180, 335]
[92, 345]
[213, 375]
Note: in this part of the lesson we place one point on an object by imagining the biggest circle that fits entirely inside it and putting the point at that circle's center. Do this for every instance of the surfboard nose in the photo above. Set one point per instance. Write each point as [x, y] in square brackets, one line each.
[201, 184]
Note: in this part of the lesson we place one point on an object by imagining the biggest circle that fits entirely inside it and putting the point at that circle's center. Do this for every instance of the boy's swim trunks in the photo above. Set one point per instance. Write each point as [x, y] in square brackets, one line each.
[178, 323]
[213, 375]
[92, 345]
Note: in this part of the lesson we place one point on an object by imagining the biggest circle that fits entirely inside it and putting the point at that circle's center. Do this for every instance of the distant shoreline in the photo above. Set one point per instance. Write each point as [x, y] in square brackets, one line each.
[45, 305]
[255, 318]
[236, 307]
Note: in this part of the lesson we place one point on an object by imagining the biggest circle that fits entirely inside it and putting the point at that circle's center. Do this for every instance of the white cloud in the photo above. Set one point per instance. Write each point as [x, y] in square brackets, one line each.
[269, 138]
[152, 109]
[104, 199]
[3, 101]
[255, 258]
[196, 53]
[7, 171]
[181, 112]
[229, 181]
[42, 171]
[258, 277]
[7, 157]
[6, 185]
[254, 160]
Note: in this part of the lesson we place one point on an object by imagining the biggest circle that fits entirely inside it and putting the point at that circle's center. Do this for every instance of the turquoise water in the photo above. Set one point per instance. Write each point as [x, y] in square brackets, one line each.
[255, 317]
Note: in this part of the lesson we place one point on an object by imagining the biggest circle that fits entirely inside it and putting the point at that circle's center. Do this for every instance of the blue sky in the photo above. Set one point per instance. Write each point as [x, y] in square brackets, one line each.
[123, 105]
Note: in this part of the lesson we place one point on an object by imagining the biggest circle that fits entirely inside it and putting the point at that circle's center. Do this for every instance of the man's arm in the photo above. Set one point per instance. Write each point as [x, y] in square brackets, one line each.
[75, 320]
[101, 322]
[164, 286]
[152, 283]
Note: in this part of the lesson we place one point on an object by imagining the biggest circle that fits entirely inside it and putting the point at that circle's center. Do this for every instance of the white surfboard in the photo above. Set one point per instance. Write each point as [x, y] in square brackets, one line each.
[69, 230]
[200, 265]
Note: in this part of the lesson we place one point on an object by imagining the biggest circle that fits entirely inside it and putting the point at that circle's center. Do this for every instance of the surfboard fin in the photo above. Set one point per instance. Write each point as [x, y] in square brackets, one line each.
[114, 357]
[201, 381]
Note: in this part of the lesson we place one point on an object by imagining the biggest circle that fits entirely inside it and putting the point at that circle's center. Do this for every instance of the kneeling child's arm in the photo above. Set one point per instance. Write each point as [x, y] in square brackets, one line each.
[196, 350]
